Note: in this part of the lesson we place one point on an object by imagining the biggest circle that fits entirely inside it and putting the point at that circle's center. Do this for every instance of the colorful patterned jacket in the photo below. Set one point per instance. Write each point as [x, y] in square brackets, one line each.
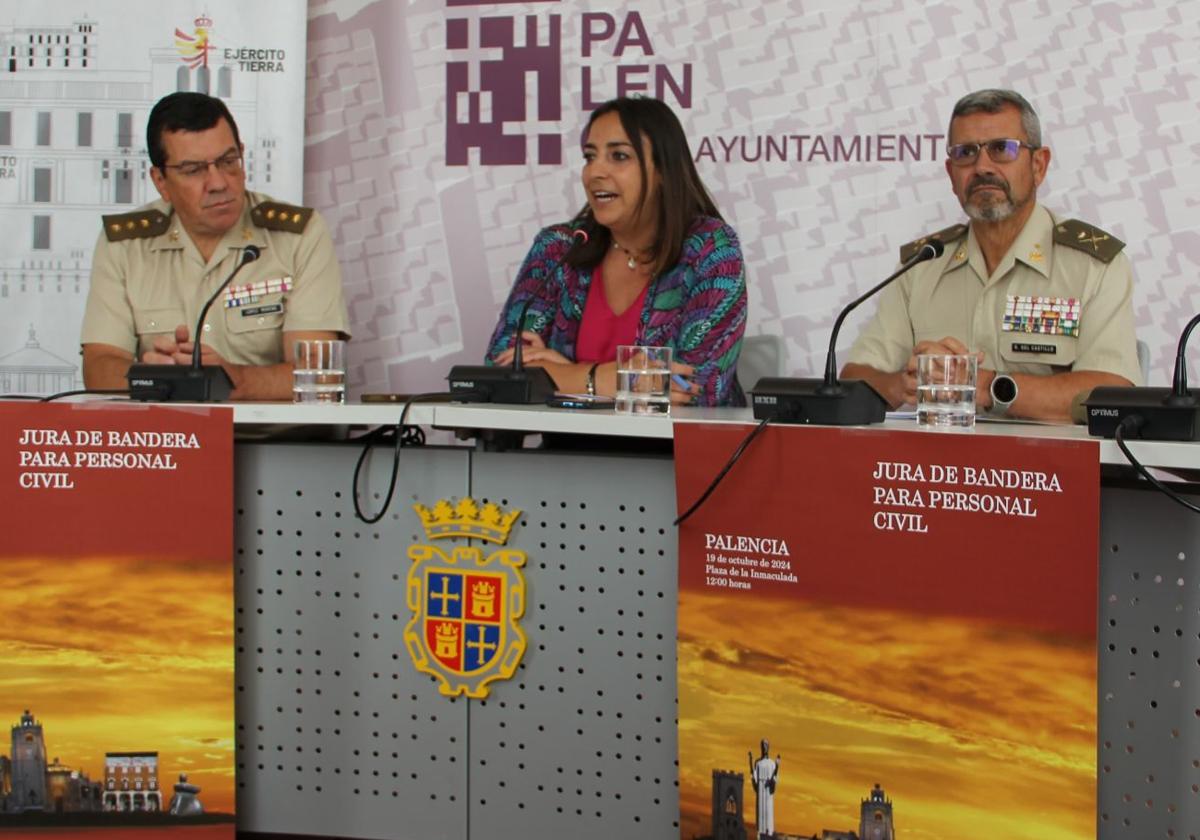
[697, 308]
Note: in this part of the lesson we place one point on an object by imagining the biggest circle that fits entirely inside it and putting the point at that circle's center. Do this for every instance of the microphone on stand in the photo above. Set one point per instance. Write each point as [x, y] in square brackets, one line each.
[828, 401]
[1155, 413]
[515, 384]
[194, 383]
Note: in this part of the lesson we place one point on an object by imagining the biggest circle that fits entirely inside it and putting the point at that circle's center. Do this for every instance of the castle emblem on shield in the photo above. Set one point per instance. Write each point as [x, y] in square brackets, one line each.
[465, 606]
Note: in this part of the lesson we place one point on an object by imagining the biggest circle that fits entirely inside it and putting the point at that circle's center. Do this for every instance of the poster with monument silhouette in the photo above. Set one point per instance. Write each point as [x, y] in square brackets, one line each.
[116, 622]
[887, 634]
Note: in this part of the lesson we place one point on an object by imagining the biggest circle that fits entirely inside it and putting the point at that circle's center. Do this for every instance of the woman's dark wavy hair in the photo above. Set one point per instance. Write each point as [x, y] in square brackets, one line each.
[682, 196]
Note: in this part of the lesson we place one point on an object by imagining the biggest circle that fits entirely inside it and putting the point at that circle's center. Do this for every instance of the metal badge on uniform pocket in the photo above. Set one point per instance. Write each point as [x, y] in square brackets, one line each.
[1041, 316]
[251, 293]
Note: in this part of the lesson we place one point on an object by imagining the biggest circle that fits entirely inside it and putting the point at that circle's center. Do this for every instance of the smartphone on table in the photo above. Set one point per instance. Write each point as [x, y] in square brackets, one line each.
[581, 401]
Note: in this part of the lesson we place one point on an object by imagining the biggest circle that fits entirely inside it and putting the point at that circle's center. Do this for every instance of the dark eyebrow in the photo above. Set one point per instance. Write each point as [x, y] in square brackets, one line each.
[218, 157]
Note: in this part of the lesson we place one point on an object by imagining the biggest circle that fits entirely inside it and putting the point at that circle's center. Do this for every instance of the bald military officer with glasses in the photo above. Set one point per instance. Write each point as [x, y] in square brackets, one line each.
[1044, 301]
[154, 268]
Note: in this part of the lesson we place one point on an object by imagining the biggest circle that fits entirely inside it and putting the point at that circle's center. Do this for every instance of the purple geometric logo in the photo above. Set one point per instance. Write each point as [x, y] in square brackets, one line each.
[503, 84]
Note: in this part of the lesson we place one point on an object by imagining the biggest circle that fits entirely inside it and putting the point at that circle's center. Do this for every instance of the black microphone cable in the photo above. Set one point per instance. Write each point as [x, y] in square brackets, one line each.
[733, 459]
[74, 393]
[1132, 423]
[78, 391]
[401, 435]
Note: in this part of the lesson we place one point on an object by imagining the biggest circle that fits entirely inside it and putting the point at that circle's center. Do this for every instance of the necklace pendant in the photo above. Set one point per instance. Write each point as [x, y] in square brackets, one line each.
[632, 263]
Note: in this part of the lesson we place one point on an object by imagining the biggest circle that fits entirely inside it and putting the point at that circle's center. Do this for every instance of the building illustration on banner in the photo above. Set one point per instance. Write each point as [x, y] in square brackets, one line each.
[728, 807]
[30, 783]
[74, 99]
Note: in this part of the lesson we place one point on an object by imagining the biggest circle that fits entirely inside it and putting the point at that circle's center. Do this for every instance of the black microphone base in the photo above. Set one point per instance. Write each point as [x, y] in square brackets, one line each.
[1107, 406]
[494, 384]
[847, 403]
[178, 383]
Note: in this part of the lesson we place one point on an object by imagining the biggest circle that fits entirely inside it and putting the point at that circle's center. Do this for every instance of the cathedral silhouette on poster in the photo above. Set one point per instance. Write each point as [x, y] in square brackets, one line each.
[30, 784]
[728, 790]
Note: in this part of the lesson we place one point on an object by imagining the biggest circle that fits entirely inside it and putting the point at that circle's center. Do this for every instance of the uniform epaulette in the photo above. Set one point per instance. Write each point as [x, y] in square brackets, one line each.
[275, 216]
[1087, 238]
[948, 235]
[139, 225]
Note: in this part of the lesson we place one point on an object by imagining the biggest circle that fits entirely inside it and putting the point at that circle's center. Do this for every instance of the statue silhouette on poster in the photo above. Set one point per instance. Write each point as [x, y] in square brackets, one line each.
[764, 775]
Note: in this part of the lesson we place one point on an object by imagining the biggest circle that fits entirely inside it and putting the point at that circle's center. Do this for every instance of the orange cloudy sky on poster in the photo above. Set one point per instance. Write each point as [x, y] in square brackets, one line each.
[973, 728]
[120, 654]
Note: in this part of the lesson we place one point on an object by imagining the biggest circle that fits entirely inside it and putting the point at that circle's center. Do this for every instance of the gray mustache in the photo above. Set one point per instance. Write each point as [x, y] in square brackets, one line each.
[986, 181]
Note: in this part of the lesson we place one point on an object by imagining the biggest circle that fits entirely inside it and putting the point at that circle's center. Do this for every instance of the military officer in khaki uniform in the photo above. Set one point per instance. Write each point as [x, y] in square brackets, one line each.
[1045, 302]
[154, 268]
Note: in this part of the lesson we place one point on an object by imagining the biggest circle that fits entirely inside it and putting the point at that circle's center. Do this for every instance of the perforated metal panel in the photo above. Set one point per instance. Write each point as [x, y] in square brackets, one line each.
[337, 735]
[1149, 744]
[582, 742]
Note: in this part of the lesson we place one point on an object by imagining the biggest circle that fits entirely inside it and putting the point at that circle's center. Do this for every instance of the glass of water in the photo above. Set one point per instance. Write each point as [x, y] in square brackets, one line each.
[319, 371]
[643, 380]
[946, 391]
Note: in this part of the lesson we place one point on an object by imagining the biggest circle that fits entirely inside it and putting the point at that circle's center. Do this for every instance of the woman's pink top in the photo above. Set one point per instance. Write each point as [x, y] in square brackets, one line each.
[601, 331]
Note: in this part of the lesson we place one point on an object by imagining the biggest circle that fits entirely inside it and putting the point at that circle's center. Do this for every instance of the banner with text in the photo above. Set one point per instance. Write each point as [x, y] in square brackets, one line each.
[116, 620]
[441, 135]
[886, 633]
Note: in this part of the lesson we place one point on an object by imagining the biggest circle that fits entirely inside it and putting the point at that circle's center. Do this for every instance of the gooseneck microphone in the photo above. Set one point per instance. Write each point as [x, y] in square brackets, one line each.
[249, 254]
[1180, 395]
[931, 250]
[1148, 413]
[829, 401]
[194, 383]
[516, 384]
[581, 238]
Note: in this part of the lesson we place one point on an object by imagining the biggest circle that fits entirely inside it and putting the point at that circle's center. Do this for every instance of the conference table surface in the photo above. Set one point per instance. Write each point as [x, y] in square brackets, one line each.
[540, 419]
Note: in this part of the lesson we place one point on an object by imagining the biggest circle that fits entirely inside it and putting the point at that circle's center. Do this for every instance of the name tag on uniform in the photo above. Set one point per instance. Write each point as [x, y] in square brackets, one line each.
[1026, 347]
[1042, 316]
[252, 293]
[269, 309]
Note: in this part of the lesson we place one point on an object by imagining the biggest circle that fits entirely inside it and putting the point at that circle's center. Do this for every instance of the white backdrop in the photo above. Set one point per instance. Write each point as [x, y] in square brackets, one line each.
[430, 249]
[77, 81]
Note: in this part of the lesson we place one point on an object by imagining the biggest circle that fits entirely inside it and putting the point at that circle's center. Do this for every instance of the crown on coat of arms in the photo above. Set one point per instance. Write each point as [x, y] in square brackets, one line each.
[204, 22]
[467, 519]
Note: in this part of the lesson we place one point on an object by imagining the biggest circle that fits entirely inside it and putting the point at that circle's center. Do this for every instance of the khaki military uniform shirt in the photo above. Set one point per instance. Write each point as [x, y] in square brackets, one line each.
[143, 287]
[953, 296]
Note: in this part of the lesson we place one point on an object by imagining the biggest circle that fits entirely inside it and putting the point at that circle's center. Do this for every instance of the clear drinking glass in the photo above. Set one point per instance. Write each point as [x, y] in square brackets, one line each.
[643, 380]
[319, 371]
[946, 391]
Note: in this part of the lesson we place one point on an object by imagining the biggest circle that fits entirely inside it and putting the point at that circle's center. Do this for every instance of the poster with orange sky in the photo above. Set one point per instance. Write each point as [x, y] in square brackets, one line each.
[907, 618]
[116, 621]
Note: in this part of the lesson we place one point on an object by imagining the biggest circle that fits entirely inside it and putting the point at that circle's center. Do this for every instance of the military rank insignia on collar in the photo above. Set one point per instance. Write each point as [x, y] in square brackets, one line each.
[464, 607]
[139, 225]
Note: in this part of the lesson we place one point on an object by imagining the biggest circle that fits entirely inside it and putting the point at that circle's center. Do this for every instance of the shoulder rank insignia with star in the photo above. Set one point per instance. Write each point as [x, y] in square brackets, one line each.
[1087, 238]
[275, 216]
[139, 225]
[948, 235]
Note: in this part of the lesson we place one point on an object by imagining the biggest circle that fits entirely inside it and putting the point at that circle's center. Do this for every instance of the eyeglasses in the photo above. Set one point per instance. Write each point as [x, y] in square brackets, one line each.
[1000, 151]
[227, 164]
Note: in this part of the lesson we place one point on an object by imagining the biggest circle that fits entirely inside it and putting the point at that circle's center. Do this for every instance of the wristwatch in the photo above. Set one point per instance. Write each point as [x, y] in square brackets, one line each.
[1004, 393]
